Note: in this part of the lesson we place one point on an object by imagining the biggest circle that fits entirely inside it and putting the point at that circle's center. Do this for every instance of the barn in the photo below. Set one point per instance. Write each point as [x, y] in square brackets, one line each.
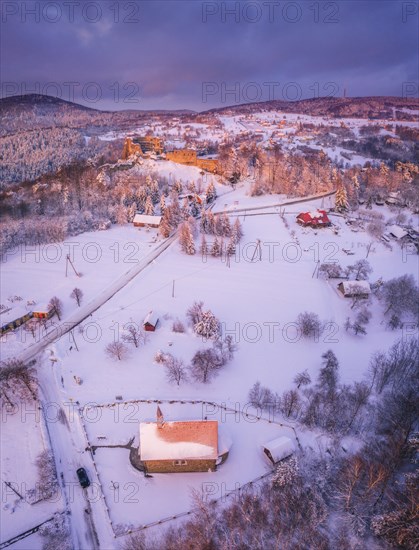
[180, 446]
[150, 321]
[355, 288]
[279, 448]
[142, 220]
[317, 218]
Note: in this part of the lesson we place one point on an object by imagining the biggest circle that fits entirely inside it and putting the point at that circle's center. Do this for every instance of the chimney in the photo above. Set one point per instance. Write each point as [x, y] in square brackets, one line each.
[160, 418]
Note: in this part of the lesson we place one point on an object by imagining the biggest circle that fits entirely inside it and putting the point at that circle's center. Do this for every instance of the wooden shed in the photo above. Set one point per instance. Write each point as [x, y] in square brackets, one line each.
[150, 321]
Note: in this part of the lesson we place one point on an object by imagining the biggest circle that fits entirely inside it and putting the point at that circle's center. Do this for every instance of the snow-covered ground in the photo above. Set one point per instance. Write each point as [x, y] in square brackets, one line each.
[257, 298]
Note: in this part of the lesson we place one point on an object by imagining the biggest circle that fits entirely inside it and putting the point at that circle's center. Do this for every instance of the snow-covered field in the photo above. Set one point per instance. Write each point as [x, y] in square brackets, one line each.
[256, 296]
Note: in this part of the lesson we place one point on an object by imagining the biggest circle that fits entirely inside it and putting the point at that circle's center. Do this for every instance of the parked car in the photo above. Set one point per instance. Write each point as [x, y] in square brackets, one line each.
[83, 478]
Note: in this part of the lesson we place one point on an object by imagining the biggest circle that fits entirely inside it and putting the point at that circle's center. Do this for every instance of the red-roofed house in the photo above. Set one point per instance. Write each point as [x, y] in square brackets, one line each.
[190, 446]
[317, 218]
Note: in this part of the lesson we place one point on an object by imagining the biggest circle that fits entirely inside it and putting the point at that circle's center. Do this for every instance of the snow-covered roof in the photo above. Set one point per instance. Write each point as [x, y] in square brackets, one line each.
[151, 318]
[147, 220]
[397, 231]
[280, 448]
[183, 440]
[356, 287]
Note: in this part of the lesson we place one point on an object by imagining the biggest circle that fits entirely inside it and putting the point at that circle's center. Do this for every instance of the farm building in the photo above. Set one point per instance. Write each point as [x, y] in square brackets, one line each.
[279, 448]
[355, 288]
[318, 218]
[150, 322]
[142, 220]
[181, 446]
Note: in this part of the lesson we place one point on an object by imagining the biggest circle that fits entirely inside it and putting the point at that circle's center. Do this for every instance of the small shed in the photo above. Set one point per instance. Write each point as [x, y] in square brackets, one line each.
[142, 220]
[397, 232]
[318, 218]
[279, 448]
[355, 288]
[150, 322]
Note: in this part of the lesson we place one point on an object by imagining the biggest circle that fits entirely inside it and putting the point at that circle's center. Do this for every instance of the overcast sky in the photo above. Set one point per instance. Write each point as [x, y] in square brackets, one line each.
[197, 55]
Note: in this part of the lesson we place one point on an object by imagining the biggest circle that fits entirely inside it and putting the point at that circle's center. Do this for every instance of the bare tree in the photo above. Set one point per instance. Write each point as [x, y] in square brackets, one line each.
[17, 380]
[290, 403]
[56, 304]
[117, 351]
[175, 369]
[361, 268]
[302, 379]
[77, 294]
[205, 365]
[401, 296]
[134, 334]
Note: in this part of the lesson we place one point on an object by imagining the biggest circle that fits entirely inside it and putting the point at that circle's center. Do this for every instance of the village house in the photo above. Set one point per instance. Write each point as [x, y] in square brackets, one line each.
[142, 220]
[316, 219]
[350, 289]
[150, 322]
[180, 446]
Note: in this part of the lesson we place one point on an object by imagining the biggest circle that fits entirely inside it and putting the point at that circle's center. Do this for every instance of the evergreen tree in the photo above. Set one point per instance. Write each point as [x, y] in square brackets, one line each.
[216, 248]
[211, 193]
[341, 199]
[162, 204]
[148, 207]
[204, 221]
[186, 239]
[237, 231]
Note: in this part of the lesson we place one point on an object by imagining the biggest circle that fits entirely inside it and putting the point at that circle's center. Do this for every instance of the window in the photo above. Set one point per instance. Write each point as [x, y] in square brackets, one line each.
[180, 463]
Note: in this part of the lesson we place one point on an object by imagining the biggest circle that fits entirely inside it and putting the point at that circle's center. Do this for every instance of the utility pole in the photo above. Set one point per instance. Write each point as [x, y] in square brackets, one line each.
[173, 289]
[74, 340]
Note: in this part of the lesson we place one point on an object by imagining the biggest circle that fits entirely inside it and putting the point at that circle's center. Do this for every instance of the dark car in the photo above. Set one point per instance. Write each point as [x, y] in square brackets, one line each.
[84, 480]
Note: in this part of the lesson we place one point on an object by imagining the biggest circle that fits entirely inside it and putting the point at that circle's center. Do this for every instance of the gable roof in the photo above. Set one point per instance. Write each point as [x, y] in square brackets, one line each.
[280, 448]
[151, 318]
[181, 440]
[356, 287]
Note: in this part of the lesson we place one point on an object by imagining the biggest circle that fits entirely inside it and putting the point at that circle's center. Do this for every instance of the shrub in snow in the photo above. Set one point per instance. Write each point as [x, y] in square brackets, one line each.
[208, 326]
[47, 484]
[178, 326]
[56, 533]
[285, 473]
